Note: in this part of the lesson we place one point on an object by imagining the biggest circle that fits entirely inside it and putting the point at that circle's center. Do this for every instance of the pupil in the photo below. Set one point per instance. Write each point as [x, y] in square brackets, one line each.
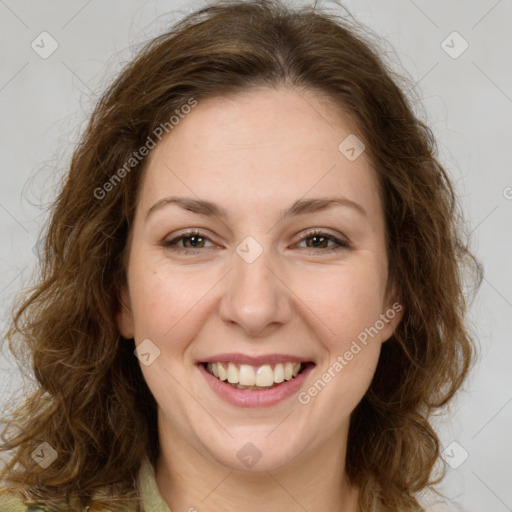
[193, 239]
[319, 239]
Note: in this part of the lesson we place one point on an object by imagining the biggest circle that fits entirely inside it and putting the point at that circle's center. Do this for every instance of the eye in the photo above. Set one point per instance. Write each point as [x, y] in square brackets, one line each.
[191, 240]
[320, 240]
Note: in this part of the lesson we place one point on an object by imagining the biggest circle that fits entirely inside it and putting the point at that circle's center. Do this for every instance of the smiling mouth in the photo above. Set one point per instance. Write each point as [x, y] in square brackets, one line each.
[255, 378]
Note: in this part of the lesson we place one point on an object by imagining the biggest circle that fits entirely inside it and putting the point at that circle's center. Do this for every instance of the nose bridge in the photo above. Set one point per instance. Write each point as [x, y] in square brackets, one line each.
[254, 297]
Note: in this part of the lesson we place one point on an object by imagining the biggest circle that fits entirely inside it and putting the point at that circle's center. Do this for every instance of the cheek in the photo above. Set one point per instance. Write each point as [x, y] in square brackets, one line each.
[346, 301]
[168, 303]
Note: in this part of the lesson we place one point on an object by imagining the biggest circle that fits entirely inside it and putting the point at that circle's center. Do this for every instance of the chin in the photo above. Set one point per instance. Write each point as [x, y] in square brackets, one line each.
[255, 451]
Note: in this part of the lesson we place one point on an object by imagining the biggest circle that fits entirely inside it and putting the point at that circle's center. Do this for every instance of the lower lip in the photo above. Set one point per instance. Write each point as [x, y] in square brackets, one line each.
[249, 398]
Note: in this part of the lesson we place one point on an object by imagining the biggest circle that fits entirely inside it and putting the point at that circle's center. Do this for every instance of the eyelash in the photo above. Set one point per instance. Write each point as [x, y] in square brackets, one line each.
[172, 244]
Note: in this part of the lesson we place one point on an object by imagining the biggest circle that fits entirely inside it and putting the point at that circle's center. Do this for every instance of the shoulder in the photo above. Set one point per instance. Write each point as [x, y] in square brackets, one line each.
[11, 503]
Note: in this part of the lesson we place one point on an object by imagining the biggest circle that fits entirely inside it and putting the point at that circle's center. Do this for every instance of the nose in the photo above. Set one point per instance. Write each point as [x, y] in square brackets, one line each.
[256, 297]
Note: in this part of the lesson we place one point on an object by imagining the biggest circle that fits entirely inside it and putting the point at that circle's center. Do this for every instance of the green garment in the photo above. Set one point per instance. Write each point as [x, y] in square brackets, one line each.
[151, 498]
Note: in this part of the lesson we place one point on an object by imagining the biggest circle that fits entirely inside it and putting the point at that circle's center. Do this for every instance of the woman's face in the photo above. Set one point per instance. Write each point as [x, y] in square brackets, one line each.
[255, 290]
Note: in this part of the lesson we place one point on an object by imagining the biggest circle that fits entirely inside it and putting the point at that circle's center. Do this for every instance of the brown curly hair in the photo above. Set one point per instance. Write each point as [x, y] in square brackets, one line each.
[92, 404]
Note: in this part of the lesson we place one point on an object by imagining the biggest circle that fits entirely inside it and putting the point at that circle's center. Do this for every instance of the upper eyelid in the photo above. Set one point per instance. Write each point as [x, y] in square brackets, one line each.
[187, 234]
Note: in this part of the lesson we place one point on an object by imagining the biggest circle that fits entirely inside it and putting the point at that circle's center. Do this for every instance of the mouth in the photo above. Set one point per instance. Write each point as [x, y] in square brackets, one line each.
[256, 378]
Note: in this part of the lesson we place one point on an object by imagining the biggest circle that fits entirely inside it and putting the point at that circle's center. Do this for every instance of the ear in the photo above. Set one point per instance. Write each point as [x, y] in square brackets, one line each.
[392, 313]
[124, 315]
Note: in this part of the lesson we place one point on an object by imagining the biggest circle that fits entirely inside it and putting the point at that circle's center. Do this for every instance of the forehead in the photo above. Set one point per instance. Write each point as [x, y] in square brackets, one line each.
[260, 146]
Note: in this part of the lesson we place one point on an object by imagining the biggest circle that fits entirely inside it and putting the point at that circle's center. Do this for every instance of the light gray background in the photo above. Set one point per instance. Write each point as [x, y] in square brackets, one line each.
[467, 100]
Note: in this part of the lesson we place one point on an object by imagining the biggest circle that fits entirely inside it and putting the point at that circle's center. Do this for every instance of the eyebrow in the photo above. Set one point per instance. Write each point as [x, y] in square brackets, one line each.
[299, 207]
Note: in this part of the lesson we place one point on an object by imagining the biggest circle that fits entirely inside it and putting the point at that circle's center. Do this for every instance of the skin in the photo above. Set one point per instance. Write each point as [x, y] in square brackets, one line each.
[255, 154]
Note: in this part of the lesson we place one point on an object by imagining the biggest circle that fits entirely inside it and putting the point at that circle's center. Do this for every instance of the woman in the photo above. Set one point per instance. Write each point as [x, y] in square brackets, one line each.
[251, 293]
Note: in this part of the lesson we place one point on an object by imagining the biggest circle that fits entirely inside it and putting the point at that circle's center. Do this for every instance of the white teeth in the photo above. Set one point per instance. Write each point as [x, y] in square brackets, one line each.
[288, 370]
[264, 376]
[246, 375]
[278, 373]
[233, 374]
[222, 372]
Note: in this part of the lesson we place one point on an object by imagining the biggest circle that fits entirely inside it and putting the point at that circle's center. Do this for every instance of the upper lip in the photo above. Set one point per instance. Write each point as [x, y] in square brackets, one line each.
[255, 360]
